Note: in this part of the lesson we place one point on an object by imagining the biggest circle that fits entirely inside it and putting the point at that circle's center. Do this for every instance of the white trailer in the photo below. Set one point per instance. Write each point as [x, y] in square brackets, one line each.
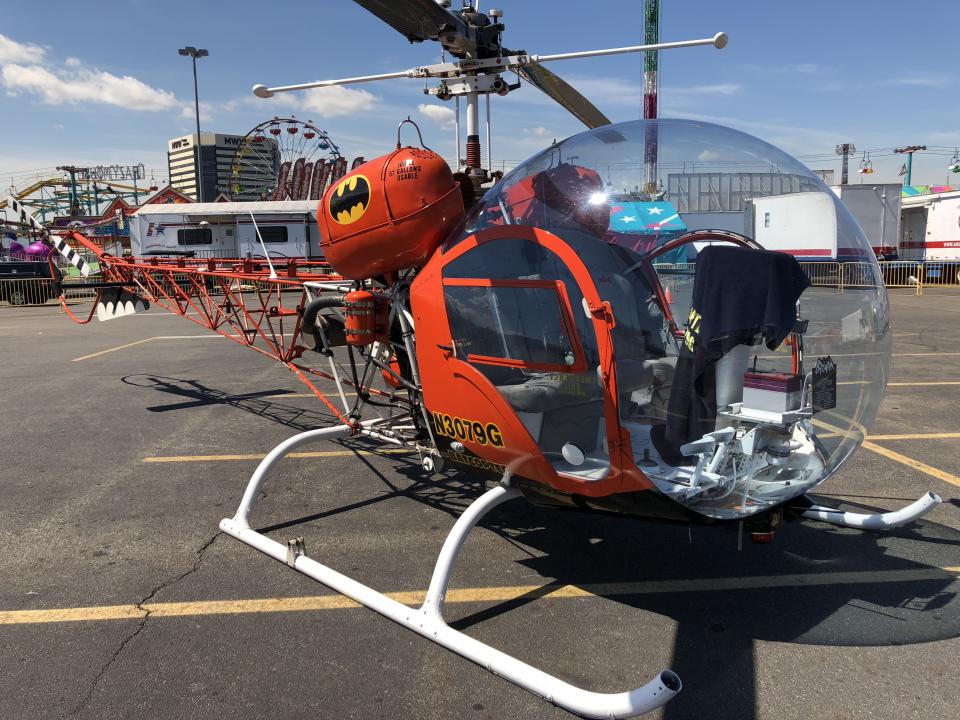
[876, 207]
[930, 227]
[803, 224]
[289, 229]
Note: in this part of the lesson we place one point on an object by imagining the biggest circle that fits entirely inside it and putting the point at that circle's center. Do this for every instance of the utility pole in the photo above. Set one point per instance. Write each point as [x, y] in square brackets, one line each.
[651, 62]
[909, 151]
[74, 200]
[845, 150]
[195, 53]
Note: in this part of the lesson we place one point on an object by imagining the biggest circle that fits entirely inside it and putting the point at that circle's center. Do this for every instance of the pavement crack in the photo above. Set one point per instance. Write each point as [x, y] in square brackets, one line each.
[140, 626]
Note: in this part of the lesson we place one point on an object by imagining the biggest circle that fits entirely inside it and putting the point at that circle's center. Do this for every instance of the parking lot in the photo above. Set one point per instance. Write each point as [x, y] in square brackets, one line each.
[126, 442]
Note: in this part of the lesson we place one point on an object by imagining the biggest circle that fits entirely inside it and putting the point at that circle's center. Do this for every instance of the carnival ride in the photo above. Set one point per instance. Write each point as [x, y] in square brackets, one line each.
[519, 338]
[73, 193]
[285, 159]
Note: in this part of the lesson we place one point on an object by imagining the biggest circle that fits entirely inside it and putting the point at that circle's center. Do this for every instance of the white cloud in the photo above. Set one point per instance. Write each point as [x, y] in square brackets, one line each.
[188, 111]
[714, 89]
[441, 115]
[322, 102]
[709, 156]
[793, 68]
[539, 132]
[72, 62]
[69, 87]
[13, 52]
[618, 92]
[335, 101]
[930, 81]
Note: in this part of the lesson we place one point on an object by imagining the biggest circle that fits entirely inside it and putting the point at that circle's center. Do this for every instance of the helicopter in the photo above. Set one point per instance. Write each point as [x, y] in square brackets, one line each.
[533, 335]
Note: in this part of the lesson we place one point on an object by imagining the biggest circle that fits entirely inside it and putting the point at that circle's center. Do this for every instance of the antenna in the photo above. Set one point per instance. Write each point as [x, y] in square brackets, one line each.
[273, 273]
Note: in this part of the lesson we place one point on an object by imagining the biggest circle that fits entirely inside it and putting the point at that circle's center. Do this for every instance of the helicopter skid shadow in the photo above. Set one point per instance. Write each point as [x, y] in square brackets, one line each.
[194, 394]
[889, 587]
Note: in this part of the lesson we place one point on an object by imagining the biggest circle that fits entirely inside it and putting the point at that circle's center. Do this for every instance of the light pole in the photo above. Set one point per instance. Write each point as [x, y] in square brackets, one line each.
[195, 53]
[909, 151]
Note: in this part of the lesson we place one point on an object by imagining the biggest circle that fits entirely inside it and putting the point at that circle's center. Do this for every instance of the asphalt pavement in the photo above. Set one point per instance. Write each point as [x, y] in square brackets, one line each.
[124, 443]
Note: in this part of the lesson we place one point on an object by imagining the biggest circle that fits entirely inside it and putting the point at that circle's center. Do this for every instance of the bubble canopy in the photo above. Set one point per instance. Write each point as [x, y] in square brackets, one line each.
[643, 204]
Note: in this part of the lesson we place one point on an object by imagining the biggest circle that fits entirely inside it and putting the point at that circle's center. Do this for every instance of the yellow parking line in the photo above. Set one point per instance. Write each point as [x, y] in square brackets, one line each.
[890, 454]
[332, 393]
[915, 464]
[473, 595]
[145, 340]
[261, 456]
[113, 349]
[916, 436]
[921, 384]
[923, 354]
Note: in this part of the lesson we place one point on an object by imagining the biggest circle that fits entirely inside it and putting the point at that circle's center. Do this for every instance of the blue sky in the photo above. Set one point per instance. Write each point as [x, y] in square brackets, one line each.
[99, 83]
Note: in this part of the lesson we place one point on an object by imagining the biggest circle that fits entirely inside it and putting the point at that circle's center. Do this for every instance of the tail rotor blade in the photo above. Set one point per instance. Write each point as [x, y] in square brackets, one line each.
[564, 93]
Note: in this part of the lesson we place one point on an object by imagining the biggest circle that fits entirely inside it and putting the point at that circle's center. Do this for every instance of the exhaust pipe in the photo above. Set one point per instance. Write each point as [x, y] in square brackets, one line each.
[312, 335]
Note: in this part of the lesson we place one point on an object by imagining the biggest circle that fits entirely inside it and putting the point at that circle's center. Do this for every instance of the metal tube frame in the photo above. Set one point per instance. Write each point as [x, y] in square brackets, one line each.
[428, 619]
[877, 521]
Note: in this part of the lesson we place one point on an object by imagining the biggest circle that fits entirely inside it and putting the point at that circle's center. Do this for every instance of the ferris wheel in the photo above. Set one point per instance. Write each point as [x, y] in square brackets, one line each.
[284, 159]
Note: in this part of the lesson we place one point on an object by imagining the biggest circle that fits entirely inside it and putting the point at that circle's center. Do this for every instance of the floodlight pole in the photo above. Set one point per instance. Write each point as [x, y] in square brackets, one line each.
[845, 151]
[194, 53]
[909, 151]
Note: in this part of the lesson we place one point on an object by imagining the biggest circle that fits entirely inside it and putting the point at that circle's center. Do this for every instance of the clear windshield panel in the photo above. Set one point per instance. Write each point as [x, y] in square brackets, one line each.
[516, 315]
[788, 375]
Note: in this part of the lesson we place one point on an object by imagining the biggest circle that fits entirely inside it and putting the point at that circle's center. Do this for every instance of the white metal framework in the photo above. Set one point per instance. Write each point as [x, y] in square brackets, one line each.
[428, 619]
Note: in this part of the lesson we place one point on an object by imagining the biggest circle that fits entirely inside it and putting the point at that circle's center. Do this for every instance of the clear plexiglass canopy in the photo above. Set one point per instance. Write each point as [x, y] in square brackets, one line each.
[657, 194]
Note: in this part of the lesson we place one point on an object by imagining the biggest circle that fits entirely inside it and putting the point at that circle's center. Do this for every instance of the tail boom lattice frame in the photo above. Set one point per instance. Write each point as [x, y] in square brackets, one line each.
[234, 298]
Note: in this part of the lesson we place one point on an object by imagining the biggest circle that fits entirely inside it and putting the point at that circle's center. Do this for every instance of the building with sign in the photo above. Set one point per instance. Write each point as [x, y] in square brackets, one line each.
[216, 159]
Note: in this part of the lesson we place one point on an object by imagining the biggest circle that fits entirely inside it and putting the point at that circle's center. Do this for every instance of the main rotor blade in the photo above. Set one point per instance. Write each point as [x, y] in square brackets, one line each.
[564, 93]
[417, 20]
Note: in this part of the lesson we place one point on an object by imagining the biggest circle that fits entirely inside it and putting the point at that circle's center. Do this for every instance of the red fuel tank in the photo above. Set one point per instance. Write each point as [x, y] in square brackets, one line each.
[389, 214]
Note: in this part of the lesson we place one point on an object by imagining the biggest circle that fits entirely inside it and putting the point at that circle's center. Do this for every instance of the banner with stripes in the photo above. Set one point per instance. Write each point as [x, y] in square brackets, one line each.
[60, 245]
[22, 215]
[72, 256]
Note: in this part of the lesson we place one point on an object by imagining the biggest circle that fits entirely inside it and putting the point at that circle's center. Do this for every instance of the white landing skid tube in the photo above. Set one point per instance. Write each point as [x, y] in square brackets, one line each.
[428, 620]
[879, 521]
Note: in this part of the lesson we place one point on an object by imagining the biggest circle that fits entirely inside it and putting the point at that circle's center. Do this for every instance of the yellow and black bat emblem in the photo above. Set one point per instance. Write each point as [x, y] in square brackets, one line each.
[350, 200]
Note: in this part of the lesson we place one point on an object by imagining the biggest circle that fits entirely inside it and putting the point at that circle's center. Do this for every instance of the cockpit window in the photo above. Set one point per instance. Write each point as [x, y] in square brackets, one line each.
[520, 323]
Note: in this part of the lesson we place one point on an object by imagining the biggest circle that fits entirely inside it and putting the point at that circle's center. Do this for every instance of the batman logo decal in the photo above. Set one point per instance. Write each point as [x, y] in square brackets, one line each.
[350, 200]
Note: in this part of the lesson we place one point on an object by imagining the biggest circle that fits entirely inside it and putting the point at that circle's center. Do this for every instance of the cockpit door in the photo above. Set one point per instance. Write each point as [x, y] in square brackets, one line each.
[522, 330]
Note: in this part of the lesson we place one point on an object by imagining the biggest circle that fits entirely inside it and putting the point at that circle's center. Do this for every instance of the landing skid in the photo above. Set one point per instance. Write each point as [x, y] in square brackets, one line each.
[428, 619]
[879, 521]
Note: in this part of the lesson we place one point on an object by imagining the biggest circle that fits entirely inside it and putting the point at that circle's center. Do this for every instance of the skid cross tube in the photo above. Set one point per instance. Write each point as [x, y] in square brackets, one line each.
[428, 619]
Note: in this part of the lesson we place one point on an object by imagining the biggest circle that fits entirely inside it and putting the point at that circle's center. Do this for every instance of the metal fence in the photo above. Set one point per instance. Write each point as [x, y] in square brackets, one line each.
[28, 291]
[941, 273]
[844, 275]
[838, 275]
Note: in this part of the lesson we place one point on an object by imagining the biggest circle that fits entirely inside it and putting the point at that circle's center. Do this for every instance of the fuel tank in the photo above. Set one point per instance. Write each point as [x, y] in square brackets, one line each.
[389, 214]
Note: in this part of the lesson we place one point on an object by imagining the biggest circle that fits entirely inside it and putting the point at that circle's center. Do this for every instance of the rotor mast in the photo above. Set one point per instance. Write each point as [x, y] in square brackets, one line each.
[473, 39]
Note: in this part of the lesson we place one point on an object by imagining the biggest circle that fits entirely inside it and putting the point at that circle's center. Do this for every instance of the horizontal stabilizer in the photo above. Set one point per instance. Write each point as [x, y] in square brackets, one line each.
[115, 302]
